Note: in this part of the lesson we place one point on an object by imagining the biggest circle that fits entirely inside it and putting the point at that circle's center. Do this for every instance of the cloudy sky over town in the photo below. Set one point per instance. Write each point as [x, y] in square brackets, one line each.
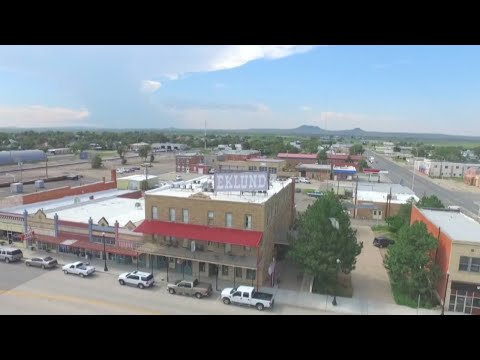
[432, 89]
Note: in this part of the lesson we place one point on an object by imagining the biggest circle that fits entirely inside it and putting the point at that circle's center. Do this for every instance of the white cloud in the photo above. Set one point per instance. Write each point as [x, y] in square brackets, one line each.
[305, 108]
[173, 61]
[150, 86]
[41, 116]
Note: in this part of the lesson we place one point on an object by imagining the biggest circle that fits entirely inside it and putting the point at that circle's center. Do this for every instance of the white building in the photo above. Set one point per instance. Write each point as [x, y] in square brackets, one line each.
[438, 168]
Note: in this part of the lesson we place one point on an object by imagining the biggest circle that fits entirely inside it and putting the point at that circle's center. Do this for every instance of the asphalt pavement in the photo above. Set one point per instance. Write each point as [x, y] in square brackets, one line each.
[27, 290]
[422, 186]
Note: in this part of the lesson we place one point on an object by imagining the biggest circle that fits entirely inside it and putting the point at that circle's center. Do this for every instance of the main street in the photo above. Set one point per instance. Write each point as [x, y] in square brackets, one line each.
[423, 186]
[33, 291]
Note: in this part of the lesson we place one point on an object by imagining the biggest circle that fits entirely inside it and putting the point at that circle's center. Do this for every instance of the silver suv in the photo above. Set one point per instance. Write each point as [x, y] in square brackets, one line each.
[136, 278]
[8, 254]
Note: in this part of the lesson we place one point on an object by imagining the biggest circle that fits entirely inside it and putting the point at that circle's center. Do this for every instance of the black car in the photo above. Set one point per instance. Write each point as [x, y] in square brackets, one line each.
[382, 242]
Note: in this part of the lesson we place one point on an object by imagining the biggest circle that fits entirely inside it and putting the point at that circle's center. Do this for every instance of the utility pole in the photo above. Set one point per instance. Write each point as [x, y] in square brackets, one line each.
[355, 209]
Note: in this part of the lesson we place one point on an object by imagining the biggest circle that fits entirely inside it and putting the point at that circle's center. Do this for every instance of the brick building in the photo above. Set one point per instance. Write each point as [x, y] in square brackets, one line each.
[272, 166]
[188, 162]
[230, 236]
[293, 160]
[314, 171]
[372, 200]
[458, 256]
[237, 155]
[342, 160]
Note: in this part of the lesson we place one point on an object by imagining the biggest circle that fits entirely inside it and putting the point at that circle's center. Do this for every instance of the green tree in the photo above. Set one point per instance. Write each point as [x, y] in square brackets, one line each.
[396, 222]
[357, 149]
[322, 157]
[431, 202]
[396, 149]
[363, 164]
[143, 152]
[411, 264]
[121, 151]
[96, 162]
[318, 243]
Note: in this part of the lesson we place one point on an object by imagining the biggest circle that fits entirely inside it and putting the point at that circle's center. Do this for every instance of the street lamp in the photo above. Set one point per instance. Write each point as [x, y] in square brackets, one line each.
[445, 294]
[104, 252]
[334, 302]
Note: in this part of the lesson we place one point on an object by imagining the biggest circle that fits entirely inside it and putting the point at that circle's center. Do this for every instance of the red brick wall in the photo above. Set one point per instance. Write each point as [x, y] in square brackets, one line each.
[67, 191]
[132, 195]
[442, 257]
[342, 163]
[295, 162]
[237, 157]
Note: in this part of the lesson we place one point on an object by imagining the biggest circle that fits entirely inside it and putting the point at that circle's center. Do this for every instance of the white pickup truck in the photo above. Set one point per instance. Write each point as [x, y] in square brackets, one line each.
[246, 295]
[78, 268]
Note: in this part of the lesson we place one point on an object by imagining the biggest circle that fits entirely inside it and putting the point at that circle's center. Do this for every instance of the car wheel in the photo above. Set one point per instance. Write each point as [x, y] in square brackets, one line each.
[121, 282]
[140, 286]
[226, 301]
[171, 291]
[65, 272]
[81, 275]
[198, 295]
[259, 306]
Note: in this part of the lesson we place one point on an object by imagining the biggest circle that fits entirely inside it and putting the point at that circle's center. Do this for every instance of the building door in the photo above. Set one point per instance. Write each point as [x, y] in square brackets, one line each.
[303, 174]
[377, 214]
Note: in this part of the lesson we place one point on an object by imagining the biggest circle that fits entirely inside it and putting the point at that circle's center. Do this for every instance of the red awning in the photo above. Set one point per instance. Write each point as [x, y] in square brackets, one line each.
[201, 232]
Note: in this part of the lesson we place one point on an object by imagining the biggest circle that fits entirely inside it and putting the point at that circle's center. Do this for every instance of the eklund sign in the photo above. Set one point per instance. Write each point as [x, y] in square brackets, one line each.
[241, 181]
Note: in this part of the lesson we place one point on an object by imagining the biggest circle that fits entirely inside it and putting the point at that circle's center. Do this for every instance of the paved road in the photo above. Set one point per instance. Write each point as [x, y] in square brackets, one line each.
[423, 186]
[35, 291]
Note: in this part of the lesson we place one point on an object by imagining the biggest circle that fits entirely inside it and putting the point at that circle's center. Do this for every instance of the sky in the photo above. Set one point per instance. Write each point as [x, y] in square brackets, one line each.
[418, 89]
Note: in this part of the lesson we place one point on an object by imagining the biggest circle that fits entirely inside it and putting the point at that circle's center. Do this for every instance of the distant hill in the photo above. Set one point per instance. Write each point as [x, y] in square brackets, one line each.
[304, 130]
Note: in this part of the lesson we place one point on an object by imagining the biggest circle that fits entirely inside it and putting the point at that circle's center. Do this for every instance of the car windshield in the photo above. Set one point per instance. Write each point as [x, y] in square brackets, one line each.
[48, 258]
[178, 282]
[233, 290]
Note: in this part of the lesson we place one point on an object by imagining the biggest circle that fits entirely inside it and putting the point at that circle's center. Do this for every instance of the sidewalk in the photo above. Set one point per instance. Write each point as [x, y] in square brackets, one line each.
[322, 303]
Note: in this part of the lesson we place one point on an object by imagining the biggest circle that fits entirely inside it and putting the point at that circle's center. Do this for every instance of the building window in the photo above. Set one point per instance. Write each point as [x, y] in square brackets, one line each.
[228, 248]
[238, 272]
[224, 270]
[248, 222]
[470, 264]
[246, 248]
[251, 274]
[201, 267]
[458, 167]
[272, 170]
[154, 212]
[263, 168]
[228, 219]
[210, 218]
[172, 214]
[185, 214]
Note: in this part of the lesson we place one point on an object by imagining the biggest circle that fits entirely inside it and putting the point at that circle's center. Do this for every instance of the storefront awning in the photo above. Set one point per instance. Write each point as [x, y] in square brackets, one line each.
[201, 232]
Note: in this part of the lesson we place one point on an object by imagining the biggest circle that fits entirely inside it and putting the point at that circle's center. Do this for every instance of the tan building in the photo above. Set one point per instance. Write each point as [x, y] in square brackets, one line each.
[272, 166]
[314, 171]
[228, 236]
[458, 256]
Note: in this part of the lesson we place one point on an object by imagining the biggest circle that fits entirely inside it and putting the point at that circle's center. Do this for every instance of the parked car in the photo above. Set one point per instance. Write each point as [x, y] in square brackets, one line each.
[315, 194]
[78, 268]
[146, 165]
[8, 254]
[43, 262]
[137, 278]
[382, 242]
[304, 180]
[178, 178]
[192, 288]
[246, 295]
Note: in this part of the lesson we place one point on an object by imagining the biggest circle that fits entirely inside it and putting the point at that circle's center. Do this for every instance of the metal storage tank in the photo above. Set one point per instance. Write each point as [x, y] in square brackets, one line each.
[14, 157]
[39, 184]
[16, 188]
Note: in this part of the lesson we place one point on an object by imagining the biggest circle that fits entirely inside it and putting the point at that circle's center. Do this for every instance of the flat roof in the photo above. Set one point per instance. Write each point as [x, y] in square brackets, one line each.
[457, 225]
[385, 188]
[380, 197]
[194, 188]
[138, 177]
[105, 204]
[266, 160]
[313, 167]
[297, 156]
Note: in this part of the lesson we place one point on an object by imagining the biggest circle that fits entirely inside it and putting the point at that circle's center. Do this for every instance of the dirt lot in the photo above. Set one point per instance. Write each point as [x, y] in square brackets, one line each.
[456, 185]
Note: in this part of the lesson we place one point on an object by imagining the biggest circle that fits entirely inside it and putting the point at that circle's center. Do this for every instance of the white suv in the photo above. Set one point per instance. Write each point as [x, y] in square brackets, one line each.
[304, 180]
[136, 278]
